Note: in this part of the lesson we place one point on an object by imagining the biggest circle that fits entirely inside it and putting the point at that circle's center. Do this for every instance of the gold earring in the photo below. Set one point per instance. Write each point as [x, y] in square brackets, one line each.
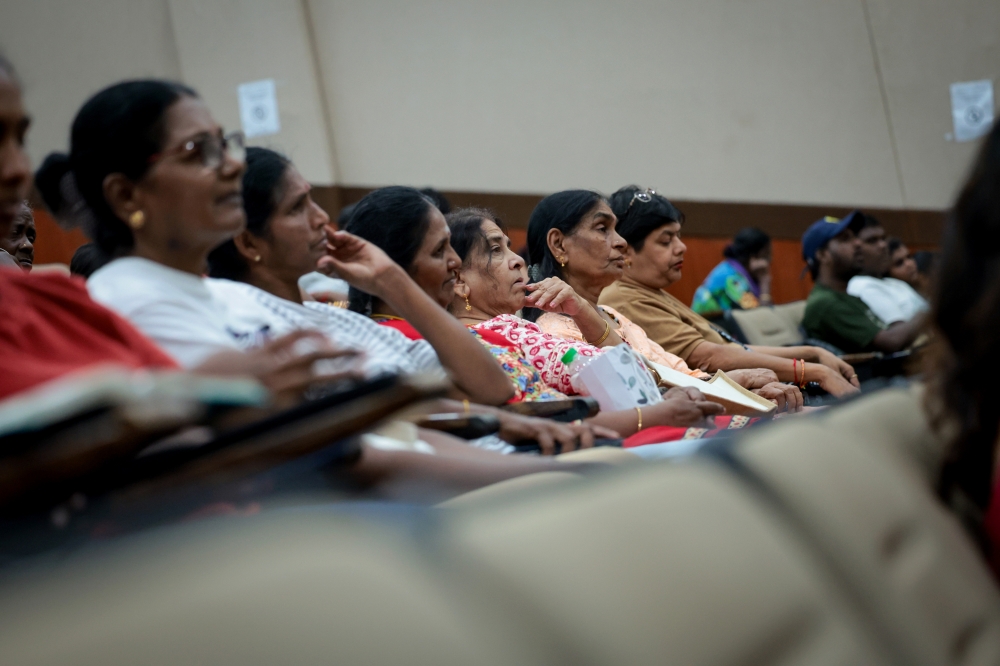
[468, 306]
[628, 263]
[562, 262]
[136, 220]
[257, 258]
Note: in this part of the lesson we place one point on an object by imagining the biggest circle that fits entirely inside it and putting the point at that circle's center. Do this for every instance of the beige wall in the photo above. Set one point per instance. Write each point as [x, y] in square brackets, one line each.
[923, 46]
[223, 43]
[66, 50]
[798, 101]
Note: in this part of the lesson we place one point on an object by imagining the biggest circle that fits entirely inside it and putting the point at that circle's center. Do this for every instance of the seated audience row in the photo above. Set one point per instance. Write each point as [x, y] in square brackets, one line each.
[835, 252]
[183, 188]
[649, 227]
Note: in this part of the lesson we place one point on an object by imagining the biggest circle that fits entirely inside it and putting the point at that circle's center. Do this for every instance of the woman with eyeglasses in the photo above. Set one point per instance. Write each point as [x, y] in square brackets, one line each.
[654, 257]
[573, 238]
[53, 327]
[164, 188]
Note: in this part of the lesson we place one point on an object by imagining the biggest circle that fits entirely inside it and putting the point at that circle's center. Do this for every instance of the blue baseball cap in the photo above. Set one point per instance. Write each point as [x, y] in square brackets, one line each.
[823, 231]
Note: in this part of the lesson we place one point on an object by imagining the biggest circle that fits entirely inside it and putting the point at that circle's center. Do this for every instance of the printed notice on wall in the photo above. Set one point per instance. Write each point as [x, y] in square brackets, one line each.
[972, 109]
[259, 108]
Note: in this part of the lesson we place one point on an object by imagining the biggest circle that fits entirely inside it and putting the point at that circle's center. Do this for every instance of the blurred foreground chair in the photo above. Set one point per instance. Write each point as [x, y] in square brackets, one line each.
[800, 544]
[858, 491]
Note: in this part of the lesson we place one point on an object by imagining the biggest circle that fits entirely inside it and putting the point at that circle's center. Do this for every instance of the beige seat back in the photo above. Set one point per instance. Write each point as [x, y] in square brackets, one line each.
[666, 564]
[773, 326]
[279, 589]
[868, 510]
[894, 419]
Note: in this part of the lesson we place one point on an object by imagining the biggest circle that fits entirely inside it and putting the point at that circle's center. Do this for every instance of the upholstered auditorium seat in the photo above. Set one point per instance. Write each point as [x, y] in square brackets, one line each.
[864, 505]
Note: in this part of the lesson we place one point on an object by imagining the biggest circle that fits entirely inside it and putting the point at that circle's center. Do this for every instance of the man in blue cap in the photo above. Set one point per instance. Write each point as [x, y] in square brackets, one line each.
[833, 252]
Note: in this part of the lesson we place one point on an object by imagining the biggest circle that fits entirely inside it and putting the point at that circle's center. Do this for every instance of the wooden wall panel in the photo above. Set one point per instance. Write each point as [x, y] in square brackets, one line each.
[54, 245]
[706, 232]
[714, 219]
[704, 254]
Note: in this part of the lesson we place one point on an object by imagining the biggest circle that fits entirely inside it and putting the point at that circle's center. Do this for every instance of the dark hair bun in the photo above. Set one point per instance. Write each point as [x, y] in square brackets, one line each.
[49, 179]
[746, 243]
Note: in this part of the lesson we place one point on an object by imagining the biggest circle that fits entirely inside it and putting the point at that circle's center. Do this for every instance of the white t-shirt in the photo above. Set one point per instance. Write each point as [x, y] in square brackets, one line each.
[192, 318]
[317, 283]
[890, 299]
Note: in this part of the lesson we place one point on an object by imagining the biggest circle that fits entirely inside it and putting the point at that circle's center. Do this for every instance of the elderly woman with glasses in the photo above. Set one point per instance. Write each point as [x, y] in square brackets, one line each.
[484, 283]
[654, 257]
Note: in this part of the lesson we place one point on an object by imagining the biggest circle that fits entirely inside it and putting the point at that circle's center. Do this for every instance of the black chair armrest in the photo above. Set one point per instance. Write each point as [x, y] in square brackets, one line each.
[558, 410]
[465, 426]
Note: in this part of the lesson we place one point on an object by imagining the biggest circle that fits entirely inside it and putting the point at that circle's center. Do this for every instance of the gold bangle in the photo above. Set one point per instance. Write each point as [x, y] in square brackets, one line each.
[465, 403]
[607, 332]
[639, 414]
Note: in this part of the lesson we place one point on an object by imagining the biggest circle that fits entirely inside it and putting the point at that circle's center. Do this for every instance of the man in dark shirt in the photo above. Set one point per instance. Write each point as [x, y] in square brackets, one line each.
[833, 252]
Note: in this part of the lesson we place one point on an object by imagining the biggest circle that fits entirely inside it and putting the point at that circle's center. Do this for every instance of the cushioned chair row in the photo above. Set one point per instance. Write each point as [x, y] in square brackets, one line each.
[797, 546]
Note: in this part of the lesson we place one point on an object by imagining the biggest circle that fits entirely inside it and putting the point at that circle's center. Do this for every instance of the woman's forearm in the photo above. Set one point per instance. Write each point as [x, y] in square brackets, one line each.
[454, 468]
[596, 328]
[625, 423]
[712, 357]
[471, 366]
[804, 352]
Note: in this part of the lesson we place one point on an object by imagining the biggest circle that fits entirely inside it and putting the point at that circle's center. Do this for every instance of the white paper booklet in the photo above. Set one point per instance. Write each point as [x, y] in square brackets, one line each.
[720, 389]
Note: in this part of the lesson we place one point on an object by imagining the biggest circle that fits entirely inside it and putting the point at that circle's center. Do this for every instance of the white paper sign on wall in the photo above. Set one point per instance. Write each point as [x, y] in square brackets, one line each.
[259, 108]
[972, 109]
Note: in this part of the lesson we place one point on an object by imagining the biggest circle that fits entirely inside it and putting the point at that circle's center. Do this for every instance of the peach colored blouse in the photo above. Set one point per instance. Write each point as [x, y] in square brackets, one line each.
[632, 334]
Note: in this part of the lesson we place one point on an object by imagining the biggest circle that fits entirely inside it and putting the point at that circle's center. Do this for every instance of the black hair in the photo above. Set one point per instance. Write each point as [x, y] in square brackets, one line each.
[263, 187]
[747, 243]
[966, 313]
[87, 259]
[563, 211]
[466, 225]
[637, 219]
[439, 199]
[117, 130]
[867, 222]
[926, 261]
[345, 215]
[894, 244]
[395, 219]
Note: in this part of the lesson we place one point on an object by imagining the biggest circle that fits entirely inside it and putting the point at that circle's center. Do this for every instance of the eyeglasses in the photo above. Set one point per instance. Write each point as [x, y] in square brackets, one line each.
[645, 196]
[210, 148]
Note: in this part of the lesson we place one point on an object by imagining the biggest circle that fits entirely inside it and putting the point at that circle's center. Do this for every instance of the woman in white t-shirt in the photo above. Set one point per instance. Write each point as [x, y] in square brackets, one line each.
[162, 188]
[177, 198]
